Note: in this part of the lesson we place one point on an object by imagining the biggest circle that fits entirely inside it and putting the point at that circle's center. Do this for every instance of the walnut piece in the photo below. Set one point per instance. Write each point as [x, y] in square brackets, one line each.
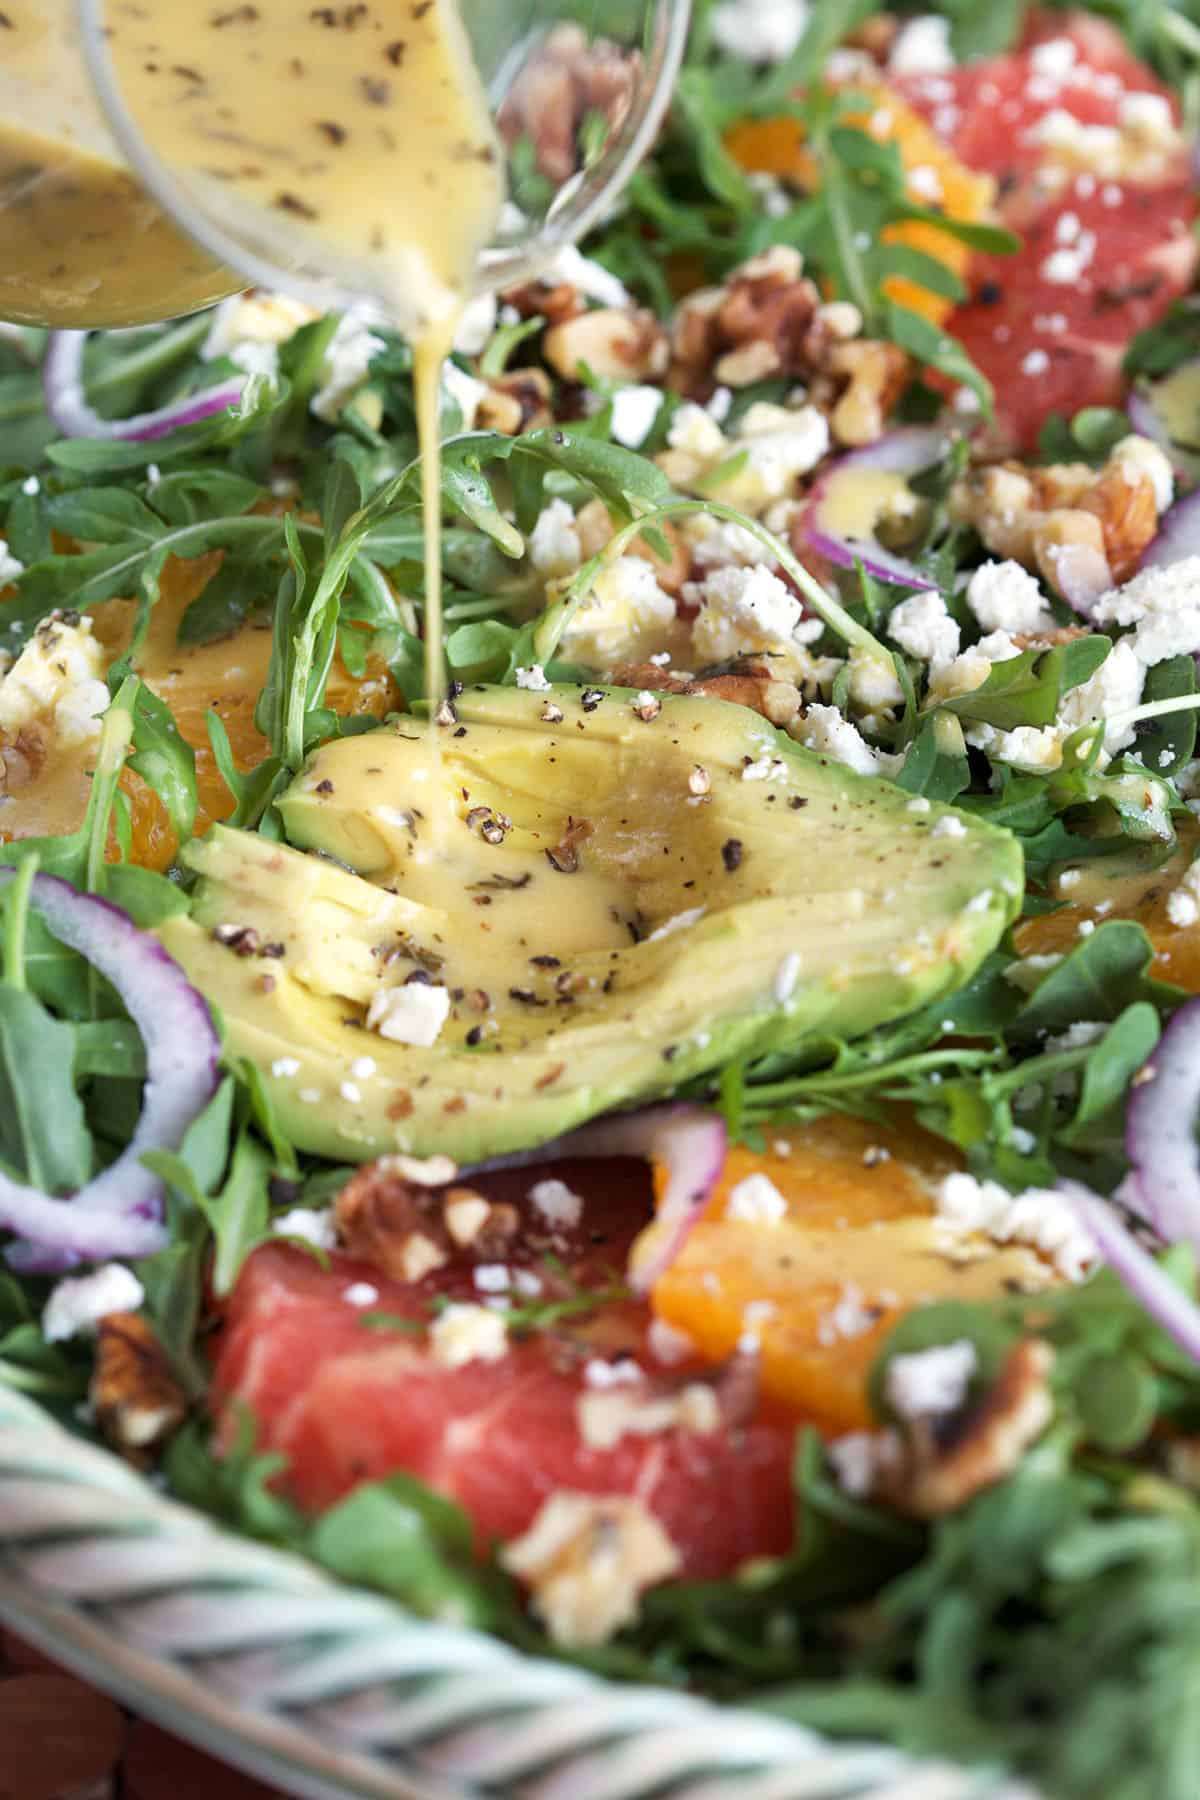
[1082, 529]
[408, 1230]
[615, 343]
[569, 81]
[945, 1464]
[587, 1559]
[137, 1400]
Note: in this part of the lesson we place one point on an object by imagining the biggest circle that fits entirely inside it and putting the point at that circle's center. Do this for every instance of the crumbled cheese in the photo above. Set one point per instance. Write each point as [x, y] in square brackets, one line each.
[1077, 1036]
[1148, 116]
[718, 543]
[606, 1417]
[11, 568]
[848, 1317]
[58, 677]
[825, 730]
[589, 278]
[559, 1205]
[350, 1092]
[695, 431]
[466, 1216]
[743, 610]
[667, 1344]
[463, 1333]
[466, 393]
[1065, 265]
[763, 31]
[925, 183]
[413, 1014]
[1162, 604]
[634, 410]
[931, 1383]
[622, 613]
[782, 444]
[249, 328]
[476, 325]
[345, 364]
[1040, 1218]
[284, 1067]
[587, 1558]
[1183, 902]
[854, 1462]
[922, 47]
[1139, 458]
[78, 1304]
[1006, 597]
[623, 1372]
[533, 677]
[363, 1067]
[924, 628]
[874, 684]
[755, 1200]
[312, 1225]
[360, 1294]
[554, 545]
[492, 1278]
[1054, 59]
[949, 826]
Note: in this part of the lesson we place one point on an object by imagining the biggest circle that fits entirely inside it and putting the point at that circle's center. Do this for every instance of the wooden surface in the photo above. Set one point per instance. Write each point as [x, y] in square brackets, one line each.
[60, 1740]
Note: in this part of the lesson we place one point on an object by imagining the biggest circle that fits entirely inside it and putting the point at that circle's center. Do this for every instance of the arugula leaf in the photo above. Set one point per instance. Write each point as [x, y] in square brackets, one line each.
[1027, 689]
[44, 1137]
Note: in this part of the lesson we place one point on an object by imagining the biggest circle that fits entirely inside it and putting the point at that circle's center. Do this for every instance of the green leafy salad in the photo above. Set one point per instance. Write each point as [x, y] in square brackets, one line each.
[681, 1149]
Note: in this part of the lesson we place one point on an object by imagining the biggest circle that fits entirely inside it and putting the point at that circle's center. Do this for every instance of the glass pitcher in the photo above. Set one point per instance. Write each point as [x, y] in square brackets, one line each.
[94, 233]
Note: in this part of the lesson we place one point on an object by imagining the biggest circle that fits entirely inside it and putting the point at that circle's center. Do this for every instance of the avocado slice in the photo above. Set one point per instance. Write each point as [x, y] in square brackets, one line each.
[617, 898]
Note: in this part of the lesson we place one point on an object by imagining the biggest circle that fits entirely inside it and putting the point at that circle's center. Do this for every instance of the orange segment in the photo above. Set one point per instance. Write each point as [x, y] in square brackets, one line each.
[227, 676]
[776, 147]
[1142, 898]
[820, 1287]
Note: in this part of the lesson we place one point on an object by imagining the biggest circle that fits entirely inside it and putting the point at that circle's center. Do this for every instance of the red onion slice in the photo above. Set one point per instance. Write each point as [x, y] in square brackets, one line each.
[909, 450]
[66, 402]
[1178, 534]
[689, 1142]
[1166, 1303]
[119, 1213]
[1160, 1131]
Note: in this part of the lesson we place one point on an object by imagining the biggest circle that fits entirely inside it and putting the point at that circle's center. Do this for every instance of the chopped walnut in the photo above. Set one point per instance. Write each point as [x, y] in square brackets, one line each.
[587, 1559]
[875, 374]
[517, 401]
[568, 81]
[946, 1463]
[137, 1400]
[596, 526]
[408, 1231]
[615, 343]
[751, 683]
[553, 301]
[766, 305]
[1080, 528]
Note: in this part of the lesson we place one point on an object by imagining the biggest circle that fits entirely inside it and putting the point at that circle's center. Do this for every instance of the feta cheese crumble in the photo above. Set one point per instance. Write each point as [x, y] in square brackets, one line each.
[758, 30]
[1040, 1218]
[413, 1014]
[931, 1383]
[743, 610]
[77, 1305]
[923, 627]
[558, 1204]
[586, 1559]
[58, 678]
[533, 678]
[554, 546]
[1162, 605]
[634, 410]
[312, 1225]
[1004, 596]
[755, 1200]
[825, 730]
[464, 1333]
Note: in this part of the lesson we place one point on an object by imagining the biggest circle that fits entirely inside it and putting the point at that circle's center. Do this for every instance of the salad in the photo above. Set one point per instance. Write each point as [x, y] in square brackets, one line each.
[686, 1157]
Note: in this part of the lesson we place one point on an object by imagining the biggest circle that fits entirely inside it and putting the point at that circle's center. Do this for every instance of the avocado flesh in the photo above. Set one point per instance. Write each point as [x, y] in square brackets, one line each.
[825, 906]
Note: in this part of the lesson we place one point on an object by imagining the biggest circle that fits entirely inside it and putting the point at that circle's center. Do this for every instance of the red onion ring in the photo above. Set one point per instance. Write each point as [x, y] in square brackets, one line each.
[910, 450]
[119, 1212]
[66, 402]
[689, 1142]
[1160, 1131]
[1178, 534]
[1166, 1303]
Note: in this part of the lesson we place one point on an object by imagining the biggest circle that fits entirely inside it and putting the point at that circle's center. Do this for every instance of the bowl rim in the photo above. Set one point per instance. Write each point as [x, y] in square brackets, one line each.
[336, 1693]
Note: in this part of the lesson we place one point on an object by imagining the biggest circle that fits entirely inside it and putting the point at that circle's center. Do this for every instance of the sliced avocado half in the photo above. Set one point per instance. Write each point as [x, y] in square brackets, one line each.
[614, 901]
